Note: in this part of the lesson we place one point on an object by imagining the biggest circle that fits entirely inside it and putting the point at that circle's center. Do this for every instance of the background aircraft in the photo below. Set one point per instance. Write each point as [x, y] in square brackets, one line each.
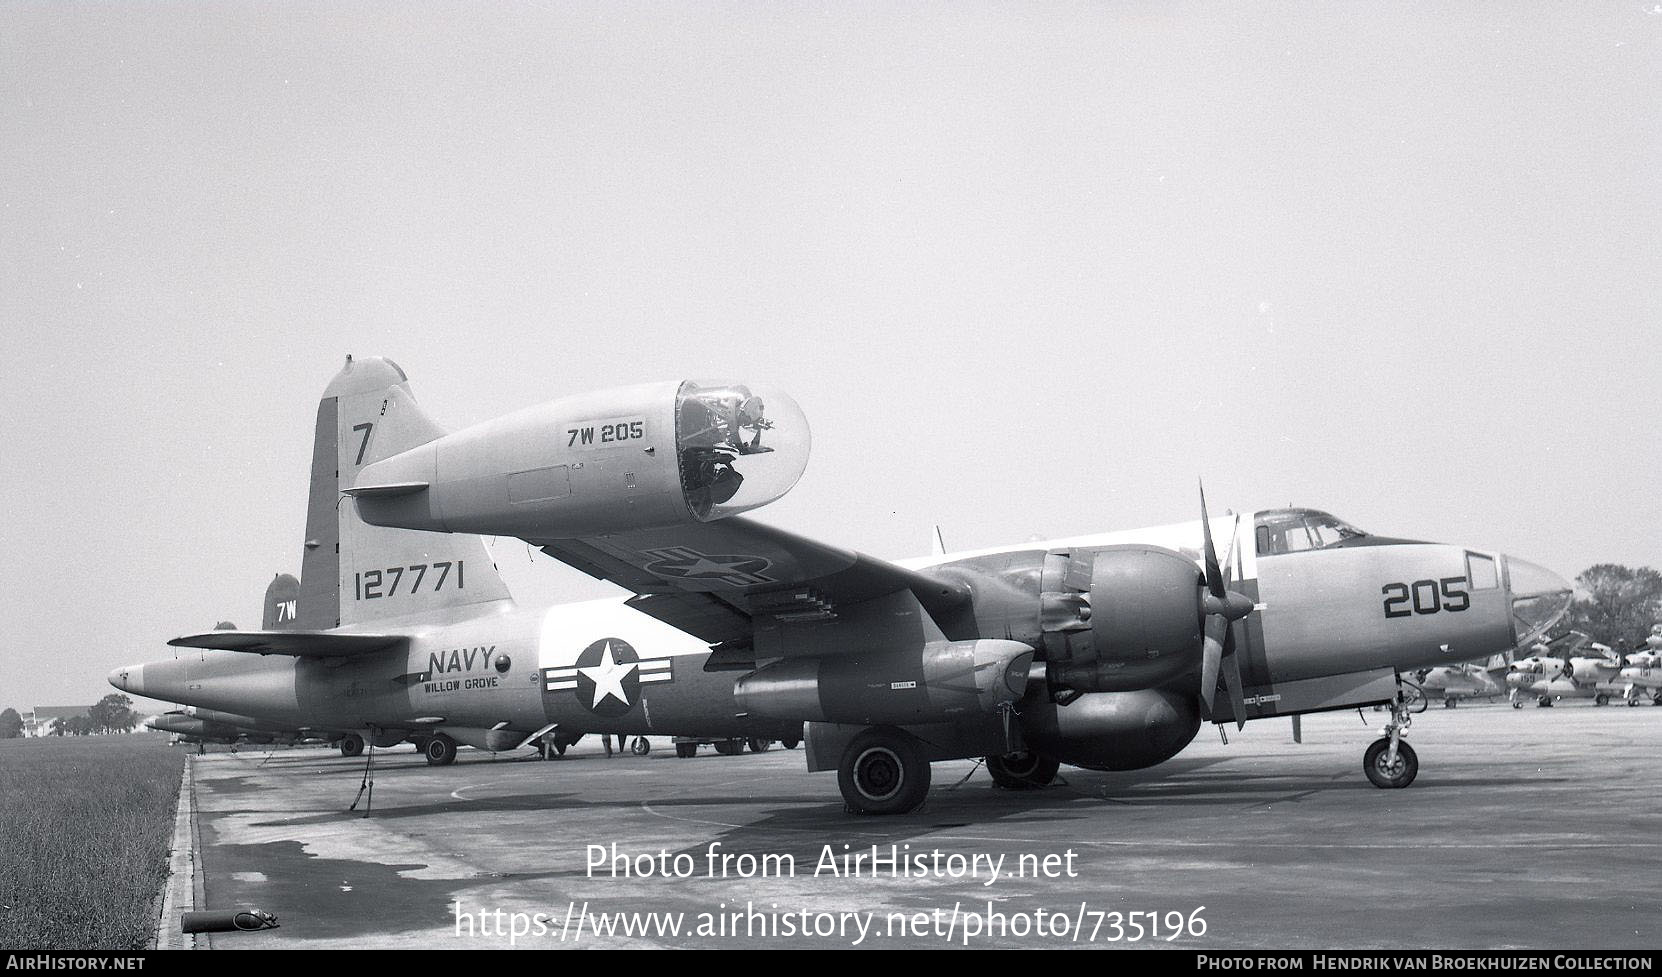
[1555, 672]
[1469, 680]
[1641, 674]
[1103, 651]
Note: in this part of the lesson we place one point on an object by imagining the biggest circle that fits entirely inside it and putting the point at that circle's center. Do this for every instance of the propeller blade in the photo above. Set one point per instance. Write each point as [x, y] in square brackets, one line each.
[1211, 657]
[1214, 574]
[1232, 679]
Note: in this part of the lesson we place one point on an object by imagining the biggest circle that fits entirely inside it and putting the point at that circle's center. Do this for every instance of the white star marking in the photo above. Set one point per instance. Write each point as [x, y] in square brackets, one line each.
[608, 677]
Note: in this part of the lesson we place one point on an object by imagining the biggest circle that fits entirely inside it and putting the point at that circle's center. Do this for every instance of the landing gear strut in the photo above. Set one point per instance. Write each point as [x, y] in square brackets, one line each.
[883, 771]
[1022, 771]
[1389, 762]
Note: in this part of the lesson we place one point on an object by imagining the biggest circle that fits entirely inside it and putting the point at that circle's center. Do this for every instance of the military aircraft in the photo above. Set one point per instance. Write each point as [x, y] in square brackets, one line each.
[1104, 651]
[1641, 674]
[1456, 683]
[209, 726]
[1551, 675]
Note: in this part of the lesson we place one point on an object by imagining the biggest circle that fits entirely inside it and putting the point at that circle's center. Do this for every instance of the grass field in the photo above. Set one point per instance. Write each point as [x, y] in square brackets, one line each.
[85, 825]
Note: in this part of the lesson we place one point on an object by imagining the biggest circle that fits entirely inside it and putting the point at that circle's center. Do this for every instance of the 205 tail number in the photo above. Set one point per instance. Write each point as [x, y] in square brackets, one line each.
[1426, 597]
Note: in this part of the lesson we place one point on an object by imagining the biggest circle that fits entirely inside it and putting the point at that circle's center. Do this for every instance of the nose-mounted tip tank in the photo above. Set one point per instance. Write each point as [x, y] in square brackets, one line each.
[629, 458]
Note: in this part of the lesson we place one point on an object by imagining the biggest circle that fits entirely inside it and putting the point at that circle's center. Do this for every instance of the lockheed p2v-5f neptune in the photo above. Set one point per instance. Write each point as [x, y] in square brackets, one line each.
[1105, 652]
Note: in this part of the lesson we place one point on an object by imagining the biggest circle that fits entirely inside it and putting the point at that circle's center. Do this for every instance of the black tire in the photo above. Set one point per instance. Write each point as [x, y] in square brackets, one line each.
[440, 751]
[640, 747]
[790, 742]
[1382, 774]
[1601, 699]
[732, 747]
[883, 772]
[1544, 702]
[1023, 771]
[758, 745]
[351, 745]
[1517, 703]
[1451, 703]
[686, 751]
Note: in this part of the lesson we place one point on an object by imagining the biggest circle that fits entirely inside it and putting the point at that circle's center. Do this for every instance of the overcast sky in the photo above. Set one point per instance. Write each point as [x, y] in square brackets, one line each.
[1030, 269]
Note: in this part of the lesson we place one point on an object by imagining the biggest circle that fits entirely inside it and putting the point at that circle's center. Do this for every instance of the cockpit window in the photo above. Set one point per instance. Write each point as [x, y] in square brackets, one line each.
[1293, 530]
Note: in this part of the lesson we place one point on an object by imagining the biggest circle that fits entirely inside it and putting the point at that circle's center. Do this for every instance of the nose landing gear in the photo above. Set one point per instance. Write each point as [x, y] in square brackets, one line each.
[1390, 762]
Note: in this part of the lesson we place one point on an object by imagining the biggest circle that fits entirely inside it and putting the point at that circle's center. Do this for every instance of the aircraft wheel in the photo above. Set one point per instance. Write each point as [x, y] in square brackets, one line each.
[351, 745]
[1450, 703]
[759, 745]
[883, 772]
[790, 742]
[1601, 699]
[1023, 771]
[640, 747]
[1516, 704]
[440, 750]
[1385, 774]
[1544, 702]
[732, 747]
[1656, 701]
[686, 751]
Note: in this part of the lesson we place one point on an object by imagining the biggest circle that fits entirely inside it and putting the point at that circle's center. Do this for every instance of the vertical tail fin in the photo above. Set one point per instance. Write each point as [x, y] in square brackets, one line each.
[282, 604]
[353, 572]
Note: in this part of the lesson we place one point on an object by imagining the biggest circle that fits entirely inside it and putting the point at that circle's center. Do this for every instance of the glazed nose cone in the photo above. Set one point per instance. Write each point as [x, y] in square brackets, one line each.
[1539, 598]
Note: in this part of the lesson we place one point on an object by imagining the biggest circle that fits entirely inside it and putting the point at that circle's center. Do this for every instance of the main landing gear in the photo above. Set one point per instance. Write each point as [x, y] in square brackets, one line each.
[1389, 761]
[440, 750]
[1023, 771]
[351, 745]
[883, 771]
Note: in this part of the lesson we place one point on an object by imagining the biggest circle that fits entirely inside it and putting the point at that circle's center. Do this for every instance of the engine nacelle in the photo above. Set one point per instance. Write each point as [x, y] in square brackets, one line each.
[1590, 669]
[1145, 615]
[611, 461]
[943, 681]
[1114, 730]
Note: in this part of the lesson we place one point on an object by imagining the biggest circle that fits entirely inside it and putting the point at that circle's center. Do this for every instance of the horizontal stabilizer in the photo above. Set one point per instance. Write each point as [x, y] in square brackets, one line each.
[387, 491]
[300, 644]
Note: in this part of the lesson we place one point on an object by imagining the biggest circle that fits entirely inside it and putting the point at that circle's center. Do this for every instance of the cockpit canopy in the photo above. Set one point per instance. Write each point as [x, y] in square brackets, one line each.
[1292, 530]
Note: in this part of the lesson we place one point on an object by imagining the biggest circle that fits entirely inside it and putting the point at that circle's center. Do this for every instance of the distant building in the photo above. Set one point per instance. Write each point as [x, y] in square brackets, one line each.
[39, 722]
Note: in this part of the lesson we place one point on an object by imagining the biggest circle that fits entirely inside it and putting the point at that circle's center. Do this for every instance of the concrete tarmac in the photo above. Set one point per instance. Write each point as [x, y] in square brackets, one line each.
[1530, 828]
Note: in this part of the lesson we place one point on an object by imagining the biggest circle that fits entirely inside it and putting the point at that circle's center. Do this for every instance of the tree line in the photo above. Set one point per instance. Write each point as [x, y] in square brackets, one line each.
[111, 714]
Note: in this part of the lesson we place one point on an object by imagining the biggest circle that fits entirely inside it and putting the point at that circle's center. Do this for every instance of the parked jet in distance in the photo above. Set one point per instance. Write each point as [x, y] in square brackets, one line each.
[1103, 652]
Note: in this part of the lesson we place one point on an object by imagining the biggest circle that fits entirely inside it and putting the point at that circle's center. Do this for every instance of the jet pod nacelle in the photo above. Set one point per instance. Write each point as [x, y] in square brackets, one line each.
[941, 682]
[615, 460]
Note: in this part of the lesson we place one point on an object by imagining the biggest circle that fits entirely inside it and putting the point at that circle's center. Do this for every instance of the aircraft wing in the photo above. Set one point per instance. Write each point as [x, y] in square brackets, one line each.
[720, 581]
[300, 644]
